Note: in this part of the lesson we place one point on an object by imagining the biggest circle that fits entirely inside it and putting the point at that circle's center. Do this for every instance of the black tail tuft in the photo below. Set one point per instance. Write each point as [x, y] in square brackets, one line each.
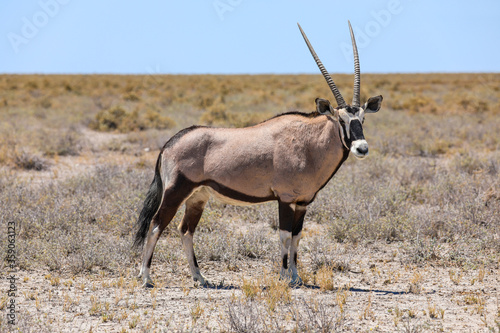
[151, 205]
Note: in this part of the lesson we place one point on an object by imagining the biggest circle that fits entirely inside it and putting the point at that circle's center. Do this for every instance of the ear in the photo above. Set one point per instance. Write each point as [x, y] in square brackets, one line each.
[323, 106]
[373, 104]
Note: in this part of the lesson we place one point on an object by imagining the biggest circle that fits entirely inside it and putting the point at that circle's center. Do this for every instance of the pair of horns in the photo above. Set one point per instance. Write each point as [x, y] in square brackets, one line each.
[357, 77]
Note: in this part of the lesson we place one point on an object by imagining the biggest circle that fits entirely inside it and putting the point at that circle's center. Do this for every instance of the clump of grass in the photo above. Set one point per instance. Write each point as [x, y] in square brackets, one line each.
[250, 289]
[276, 292]
[324, 278]
[416, 283]
[28, 161]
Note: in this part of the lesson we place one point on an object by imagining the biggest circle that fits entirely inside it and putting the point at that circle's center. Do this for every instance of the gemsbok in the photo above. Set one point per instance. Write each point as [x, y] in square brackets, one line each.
[288, 158]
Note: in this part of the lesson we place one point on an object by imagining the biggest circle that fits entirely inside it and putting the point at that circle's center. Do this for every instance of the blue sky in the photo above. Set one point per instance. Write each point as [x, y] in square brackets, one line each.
[244, 36]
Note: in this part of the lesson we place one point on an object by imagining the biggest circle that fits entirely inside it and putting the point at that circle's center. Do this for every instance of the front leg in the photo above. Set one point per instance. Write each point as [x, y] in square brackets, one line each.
[298, 222]
[286, 240]
[286, 213]
[291, 218]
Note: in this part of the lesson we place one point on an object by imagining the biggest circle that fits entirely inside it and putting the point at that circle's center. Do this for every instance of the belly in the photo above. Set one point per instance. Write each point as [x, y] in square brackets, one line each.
[231, 197]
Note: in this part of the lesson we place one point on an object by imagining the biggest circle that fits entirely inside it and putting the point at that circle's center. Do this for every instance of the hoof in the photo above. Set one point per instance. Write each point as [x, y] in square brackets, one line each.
[206, 284]
[203, 282]
[284, 275]
[296, 281]
[148, 284]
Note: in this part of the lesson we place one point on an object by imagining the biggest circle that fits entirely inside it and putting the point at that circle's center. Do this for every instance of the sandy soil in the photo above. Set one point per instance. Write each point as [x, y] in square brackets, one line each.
[381, 293]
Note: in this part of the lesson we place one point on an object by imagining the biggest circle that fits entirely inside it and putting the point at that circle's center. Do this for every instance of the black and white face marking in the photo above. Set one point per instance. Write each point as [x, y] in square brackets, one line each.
[352, 119]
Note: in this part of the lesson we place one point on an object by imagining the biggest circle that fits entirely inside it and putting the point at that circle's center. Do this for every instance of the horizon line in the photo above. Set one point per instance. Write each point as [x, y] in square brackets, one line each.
[239, 74]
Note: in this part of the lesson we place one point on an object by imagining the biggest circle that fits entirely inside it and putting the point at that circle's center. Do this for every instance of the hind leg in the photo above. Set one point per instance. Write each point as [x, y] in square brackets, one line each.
[172, 200]
[194, 209]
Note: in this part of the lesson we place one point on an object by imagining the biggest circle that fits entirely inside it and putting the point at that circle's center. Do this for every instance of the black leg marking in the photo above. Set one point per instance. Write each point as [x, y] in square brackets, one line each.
[149, 261]
[298, 220]
[295, 259]
[195, 261]
[285, 261]
[286, 215]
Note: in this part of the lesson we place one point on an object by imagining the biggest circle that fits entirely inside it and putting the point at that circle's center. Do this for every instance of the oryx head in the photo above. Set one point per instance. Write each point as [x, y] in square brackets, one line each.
[351, 117]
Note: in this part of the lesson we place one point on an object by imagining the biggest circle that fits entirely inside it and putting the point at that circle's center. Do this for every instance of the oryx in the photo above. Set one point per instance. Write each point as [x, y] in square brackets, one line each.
[287, 158]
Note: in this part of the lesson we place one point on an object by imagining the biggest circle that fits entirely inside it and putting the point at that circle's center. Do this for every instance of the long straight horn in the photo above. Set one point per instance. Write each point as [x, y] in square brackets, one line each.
[328, 78]
[357, 75]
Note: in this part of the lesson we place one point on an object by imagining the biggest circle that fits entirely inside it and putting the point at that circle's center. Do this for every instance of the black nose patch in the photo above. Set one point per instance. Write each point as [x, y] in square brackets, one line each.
[362, 150]
[356, 130]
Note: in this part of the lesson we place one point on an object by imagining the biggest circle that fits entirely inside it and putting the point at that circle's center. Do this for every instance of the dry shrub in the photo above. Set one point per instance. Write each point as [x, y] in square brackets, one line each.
[109, 120]
[324, 253]
[313, 315]
[28, 161]
[218, 245]
[28, 322]
[98, 209]
[117, 118]
[417, 104]
[223, 243]
[61, 143]
[131, 97]
[307, 315]
[217, 115]
[255, 244]
[467, 102]
[244, 317]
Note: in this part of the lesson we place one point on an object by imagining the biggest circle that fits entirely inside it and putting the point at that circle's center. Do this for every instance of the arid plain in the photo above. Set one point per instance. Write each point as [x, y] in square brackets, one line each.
[407, 239]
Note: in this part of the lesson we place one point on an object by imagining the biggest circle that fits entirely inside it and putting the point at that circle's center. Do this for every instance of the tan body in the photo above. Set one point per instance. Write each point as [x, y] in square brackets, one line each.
[288, 158]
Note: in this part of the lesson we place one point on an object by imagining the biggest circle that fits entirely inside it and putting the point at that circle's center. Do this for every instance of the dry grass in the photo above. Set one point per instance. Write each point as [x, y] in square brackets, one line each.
[77, 155]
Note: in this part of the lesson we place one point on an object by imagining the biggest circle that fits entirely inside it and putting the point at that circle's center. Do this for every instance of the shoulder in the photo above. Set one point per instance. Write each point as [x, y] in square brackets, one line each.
[182, 133]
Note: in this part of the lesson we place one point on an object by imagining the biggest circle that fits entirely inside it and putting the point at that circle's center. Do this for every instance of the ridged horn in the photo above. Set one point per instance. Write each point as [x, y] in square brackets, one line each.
[328, 78]
[357, 75]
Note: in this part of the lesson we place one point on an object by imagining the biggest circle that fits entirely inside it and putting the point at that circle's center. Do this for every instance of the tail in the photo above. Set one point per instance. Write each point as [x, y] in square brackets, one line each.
[151, 205]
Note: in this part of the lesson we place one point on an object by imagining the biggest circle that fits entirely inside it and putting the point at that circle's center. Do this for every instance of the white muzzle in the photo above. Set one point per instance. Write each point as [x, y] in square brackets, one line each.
[359, 148]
